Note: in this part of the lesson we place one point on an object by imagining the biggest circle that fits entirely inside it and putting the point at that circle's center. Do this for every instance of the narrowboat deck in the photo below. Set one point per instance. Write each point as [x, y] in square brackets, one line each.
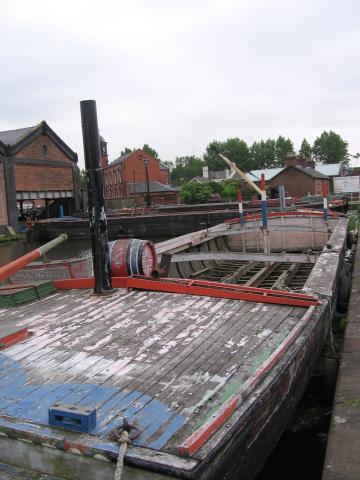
[201, 378]
[155, 358]
[164, 361]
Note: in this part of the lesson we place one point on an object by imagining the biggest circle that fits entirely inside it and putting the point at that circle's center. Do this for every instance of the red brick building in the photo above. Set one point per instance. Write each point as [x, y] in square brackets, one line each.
[300, 178]
[133, 174]
[36, 164]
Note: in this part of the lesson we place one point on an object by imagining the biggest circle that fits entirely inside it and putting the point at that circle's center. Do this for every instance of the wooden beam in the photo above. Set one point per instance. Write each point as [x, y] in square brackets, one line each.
[271, 228]
[243, 175]
[200, 272]
[235, 276]
[286, 277]
[256, 279]
[247, 256]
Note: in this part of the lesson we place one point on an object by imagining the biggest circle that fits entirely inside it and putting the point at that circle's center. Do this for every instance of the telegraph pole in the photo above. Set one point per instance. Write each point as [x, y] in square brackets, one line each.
[97, 216]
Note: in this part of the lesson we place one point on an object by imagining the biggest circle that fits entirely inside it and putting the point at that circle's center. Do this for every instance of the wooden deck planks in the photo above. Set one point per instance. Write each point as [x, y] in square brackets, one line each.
[220, 363]
[133, 353]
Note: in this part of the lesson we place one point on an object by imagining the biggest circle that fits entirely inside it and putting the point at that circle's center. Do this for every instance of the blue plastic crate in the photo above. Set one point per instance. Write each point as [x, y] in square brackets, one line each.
[71, 417]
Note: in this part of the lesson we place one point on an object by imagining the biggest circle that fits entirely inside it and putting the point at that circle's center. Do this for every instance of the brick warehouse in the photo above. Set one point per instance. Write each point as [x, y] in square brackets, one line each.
[35, 163]
[125, 178]
[300, 181]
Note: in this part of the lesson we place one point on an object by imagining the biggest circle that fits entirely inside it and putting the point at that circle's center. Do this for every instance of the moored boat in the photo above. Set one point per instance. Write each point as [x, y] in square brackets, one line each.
[206, 364]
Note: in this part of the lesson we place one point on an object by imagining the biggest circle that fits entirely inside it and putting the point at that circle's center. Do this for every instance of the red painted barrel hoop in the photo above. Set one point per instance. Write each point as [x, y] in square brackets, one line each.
[132, 256]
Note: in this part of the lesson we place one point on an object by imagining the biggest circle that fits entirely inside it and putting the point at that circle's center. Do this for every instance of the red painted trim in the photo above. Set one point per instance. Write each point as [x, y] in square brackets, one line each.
[295, 213]
[234, 287]
[198, 287]
[262, 182]
[120, 282]
[221, 290]
[13, 338]
[197, 439]
[202, 434]
[70, 283]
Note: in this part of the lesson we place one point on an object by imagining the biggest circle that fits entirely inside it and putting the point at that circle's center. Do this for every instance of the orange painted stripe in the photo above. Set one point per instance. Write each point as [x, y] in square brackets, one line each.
[202, 290]
[13, 338]
[196, 287]
[7, 270]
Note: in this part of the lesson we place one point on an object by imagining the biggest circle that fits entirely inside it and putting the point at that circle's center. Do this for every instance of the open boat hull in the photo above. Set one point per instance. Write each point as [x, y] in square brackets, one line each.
[265, 353]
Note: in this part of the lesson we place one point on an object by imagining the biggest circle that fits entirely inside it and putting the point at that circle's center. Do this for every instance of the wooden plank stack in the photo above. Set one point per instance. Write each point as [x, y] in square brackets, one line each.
[15, 294]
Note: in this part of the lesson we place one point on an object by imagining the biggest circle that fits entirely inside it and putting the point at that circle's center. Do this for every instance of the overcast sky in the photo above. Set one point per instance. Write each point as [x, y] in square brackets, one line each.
[179, 74]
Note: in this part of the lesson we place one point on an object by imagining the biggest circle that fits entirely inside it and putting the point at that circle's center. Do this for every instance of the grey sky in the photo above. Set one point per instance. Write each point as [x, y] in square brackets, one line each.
[179, 74]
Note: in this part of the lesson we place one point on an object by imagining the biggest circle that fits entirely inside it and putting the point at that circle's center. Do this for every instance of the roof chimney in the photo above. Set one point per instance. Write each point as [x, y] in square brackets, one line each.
[104, 158]
[293, 160]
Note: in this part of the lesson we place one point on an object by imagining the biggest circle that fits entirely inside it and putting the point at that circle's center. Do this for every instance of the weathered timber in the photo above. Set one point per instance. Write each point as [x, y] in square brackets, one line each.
[273, 228]
[256, 279]
[228, 373]
[235, 276]
[257, 257]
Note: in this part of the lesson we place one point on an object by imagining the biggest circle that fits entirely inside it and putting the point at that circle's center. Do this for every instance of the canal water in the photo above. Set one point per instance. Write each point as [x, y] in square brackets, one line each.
[71, 249]
[300, 452]
[74, 249]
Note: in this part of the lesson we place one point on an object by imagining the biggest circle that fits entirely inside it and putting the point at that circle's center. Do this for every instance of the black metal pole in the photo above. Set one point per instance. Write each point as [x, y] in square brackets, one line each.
[96, 202]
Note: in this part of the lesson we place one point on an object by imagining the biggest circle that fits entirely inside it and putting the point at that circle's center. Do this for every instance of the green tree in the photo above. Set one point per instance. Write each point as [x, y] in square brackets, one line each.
[169, 164]
[185, 169]
[194, 192]
[126, 151]
[211, 155]
[230, 190]
[150, 151]
[235, 148]
[305, 151]
[263, 154]
[283, 147]
[217, 187]
[330, 148]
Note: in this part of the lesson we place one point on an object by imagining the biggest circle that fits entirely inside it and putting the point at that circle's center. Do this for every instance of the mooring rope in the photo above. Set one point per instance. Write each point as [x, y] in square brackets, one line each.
[123, 441]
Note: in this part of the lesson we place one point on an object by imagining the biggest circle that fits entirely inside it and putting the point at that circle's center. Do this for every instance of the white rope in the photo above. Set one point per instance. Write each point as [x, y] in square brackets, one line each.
[123, 440]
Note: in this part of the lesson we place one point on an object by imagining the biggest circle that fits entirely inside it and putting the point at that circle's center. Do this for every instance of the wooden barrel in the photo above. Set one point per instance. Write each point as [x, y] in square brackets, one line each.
[130, 256]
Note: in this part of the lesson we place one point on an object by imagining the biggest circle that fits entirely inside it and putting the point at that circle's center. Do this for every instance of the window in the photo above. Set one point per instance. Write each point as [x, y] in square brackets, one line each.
[44, 151]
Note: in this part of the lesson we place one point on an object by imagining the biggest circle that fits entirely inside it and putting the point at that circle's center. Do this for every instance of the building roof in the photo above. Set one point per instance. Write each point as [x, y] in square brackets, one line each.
[12, 141]
[124, 157]
[163, 166]
[307, 170]
[154, 187]
[311, 172]
[11, 137]
[330, 169]
[213, 175]
[269, 173]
